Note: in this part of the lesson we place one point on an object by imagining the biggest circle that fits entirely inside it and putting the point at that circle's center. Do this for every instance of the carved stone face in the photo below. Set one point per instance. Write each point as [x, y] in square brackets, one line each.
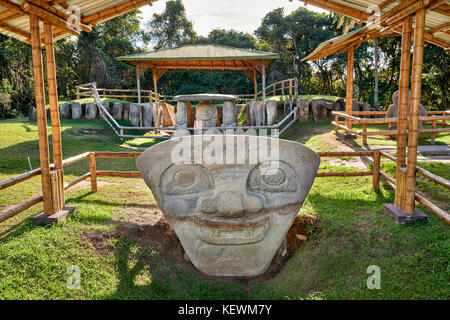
[231, 218]
[205, 111]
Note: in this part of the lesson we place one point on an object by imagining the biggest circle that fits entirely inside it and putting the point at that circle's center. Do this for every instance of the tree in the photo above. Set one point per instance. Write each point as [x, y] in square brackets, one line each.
[171, 28]
[293, 37]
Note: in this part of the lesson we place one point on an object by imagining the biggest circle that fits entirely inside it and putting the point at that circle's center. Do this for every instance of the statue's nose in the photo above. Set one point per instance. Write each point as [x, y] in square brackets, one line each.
[231, 204]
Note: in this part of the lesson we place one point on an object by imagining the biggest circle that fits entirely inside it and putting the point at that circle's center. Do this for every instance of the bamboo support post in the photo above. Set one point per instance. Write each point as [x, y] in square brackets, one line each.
[376, 170]
[413, 135]
[93, 171]
[41, 113]
[349, 90]
[402, 110]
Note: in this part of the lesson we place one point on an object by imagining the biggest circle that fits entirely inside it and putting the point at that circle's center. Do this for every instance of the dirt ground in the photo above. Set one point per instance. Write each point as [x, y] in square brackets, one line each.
[151, 229]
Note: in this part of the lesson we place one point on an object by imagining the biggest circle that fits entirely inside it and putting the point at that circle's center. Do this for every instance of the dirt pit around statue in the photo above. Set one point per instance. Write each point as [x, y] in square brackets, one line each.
[147, 227]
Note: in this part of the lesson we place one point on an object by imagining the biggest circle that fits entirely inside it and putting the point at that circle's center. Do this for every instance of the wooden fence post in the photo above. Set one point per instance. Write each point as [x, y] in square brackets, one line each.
[364, 126]
[376, 170]
[93, 170]
[433, 134]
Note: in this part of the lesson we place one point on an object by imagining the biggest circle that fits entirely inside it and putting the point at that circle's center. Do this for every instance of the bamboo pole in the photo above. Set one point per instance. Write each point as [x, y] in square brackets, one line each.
[54, 113]
[76, 181]
[117, 154]
[376, 170]
[93, 171]
[413, 136]
[20, 208]
[349, 90]
[344, 174]
[346, 154]
[41, 113]
[263, 68]
[138, 82]
[255, 82]
[127, 174]
[403, 110]
[433, 134]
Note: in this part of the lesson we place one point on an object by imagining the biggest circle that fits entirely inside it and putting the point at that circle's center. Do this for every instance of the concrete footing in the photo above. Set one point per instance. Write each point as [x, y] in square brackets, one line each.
[402, 217]
[42, 218]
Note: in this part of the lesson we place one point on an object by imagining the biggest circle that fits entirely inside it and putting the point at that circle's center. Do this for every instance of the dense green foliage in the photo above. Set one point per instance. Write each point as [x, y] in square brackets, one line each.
[92, 57]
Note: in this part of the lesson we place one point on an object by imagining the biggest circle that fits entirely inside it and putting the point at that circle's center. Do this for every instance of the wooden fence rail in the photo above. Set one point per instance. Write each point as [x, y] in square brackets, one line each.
[432, 118]
[93, 173]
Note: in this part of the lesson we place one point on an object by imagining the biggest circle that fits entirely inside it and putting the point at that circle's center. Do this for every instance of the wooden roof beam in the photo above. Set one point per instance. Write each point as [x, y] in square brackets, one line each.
[439, 28]
[115, 11]
[386, 3]
[49, 7]
[48, 17]
[443, 9]
[15, 30]
[338, 8]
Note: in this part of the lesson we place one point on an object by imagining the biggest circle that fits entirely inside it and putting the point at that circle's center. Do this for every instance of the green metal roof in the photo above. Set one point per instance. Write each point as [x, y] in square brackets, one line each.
[201, 52]
[333, 41]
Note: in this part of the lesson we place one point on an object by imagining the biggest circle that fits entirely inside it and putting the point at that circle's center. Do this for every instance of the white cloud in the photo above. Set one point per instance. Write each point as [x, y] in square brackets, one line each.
[241, 15]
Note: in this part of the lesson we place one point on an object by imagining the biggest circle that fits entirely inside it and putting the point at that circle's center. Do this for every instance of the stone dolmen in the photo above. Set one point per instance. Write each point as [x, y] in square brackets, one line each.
[230, 199]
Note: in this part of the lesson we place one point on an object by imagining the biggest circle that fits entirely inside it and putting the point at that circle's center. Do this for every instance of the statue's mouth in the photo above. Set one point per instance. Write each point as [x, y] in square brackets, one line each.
[221, 231]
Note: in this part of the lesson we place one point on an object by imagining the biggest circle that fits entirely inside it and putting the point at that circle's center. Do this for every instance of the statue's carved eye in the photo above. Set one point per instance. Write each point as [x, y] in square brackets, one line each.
[185, 179]
[273, 177]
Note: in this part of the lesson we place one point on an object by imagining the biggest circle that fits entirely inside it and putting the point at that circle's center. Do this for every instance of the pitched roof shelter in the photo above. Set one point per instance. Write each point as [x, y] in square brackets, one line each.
[201, 57]
[431, 24]
[38, 21]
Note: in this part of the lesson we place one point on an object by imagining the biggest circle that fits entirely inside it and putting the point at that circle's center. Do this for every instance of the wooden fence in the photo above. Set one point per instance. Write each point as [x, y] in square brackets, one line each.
[93, 173]
[433, 117]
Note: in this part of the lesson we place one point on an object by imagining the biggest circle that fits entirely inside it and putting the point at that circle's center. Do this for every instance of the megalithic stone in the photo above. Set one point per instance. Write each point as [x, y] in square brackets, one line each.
[355, 105]
[64, 111]
[32, 114]
[107, 106]
[339, 105]
[319, 109]
[91, 111]
[271, 112]
[147, 114]
[117, 110]
[135, 112]
[303, 105]
[231, 218]
[126, 111]
[77, 110]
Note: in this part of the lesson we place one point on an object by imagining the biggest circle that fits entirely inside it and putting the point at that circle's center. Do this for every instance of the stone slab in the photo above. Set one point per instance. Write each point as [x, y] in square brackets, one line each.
[42, 218]
[205, 97]
[402, 217]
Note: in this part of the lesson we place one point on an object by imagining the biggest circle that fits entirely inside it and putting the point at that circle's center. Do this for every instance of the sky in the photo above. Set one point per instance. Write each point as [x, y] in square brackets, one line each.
[240, 15]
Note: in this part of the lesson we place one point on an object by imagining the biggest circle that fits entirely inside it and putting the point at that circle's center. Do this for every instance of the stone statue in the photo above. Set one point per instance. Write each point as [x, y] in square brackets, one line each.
[181, 120]
[205, 116]
[230, 216]
[392, 111]
[229, 117]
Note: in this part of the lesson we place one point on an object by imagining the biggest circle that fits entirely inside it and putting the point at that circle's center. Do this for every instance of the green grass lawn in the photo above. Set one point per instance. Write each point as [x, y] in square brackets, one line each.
[351, 235]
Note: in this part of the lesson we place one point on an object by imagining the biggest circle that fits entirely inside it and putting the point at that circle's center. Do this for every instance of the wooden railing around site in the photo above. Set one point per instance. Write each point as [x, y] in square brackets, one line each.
[358, 118]
[93, 173]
